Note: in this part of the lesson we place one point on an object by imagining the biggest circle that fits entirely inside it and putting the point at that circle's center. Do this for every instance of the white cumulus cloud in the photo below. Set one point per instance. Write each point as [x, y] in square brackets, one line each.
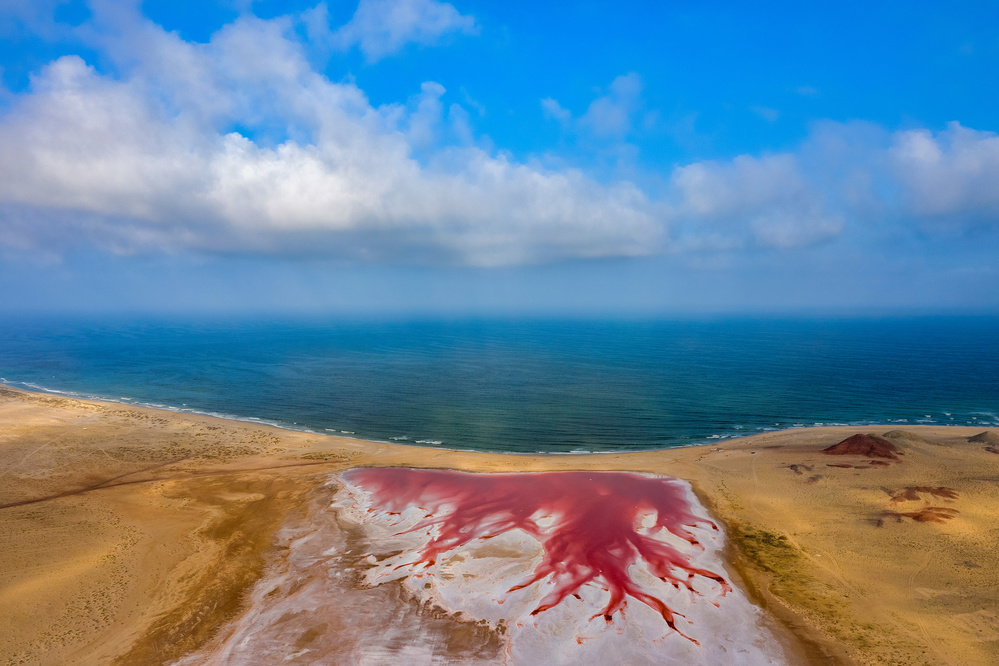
[764, 201]
[609, 116]
[149, 161]
[953, 174]
[553, 110]
[383, 27]
[240, 146]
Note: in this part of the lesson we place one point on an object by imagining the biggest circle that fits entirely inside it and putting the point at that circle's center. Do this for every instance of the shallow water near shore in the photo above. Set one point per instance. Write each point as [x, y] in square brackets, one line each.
[525, 385]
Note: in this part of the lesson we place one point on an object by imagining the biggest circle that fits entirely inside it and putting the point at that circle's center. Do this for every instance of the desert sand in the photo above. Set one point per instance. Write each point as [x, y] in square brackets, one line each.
[135, 536]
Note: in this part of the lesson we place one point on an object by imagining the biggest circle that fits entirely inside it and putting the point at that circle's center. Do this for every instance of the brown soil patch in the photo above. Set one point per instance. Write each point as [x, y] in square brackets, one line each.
[912, 493]
[931, 514]
[237, 534]
[871, 446]
[870, 463]
[985, 437]
[903, 435]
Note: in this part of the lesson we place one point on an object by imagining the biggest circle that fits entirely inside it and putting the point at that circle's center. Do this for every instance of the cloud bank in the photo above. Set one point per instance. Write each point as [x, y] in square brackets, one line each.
[241, 146]
[145, 161]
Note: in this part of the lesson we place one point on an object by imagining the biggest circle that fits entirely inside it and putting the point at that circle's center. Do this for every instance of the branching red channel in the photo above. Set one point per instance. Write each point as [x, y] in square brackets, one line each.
[593, 535]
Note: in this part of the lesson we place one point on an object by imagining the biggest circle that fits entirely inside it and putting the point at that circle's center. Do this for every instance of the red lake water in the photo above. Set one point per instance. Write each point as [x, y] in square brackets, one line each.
[593, 526]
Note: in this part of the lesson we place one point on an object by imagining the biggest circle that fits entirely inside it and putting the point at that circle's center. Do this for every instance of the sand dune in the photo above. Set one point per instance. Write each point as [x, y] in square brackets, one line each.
[137, 536]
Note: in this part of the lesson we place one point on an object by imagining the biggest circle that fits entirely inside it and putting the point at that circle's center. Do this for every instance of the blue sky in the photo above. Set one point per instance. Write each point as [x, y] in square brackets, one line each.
[420, 156]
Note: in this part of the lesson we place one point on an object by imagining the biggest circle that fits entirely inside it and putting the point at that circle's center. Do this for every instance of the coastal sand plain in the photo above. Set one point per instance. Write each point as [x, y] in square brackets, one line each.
[134, 536]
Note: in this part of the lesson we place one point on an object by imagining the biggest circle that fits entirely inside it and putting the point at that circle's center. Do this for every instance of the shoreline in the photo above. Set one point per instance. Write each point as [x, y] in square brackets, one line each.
[93, 468]
[710, 440]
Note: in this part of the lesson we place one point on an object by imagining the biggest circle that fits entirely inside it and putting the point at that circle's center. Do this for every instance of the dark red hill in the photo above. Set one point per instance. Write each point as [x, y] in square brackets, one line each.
[870, 446]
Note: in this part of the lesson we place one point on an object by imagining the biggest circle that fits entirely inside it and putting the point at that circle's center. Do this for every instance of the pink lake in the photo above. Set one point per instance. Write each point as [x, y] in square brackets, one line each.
[417, 566]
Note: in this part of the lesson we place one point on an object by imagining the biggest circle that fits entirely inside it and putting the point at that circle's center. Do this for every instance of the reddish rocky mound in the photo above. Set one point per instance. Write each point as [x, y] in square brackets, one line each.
[931, 514]
[871, 446]
[913, 493]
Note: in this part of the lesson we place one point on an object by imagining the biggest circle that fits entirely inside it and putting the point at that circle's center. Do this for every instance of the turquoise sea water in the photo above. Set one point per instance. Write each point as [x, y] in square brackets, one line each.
[526, 385]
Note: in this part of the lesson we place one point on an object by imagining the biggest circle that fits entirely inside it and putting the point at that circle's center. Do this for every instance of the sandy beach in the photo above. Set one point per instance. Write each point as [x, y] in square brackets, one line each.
[137, 536]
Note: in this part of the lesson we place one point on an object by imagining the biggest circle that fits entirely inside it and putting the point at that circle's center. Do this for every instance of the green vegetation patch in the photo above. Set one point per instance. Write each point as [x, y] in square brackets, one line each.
[769, 551]
[827, 605]
[324, 455]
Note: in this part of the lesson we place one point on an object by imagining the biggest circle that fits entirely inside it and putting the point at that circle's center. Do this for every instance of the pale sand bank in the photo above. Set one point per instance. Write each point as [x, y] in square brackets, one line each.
[132, 535]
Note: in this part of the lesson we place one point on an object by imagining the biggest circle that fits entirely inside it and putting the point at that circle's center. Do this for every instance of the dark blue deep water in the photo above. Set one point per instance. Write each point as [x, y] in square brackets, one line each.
[527, 385]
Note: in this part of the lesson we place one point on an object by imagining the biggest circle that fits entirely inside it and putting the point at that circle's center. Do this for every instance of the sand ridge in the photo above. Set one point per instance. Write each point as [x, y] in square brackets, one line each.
[131, 535]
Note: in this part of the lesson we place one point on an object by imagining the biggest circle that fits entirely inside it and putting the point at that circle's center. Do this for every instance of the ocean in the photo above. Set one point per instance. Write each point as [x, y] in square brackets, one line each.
[524, 385]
